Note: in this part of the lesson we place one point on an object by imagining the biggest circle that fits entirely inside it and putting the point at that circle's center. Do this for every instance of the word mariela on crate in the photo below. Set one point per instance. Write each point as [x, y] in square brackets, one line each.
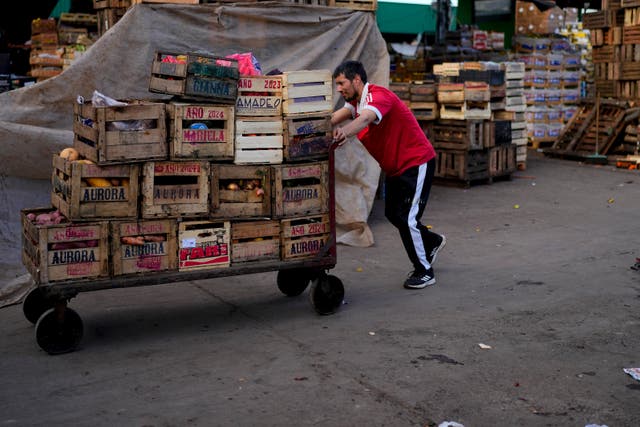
[232, 171]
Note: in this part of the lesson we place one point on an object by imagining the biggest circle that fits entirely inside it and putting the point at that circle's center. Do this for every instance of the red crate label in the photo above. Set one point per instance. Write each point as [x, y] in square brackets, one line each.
[306, 229]
[204, 113]
[177, 168]
[149, 262]
[301, 172]
[70, 233]
[144, 228]
[81, 269]
[203, 135]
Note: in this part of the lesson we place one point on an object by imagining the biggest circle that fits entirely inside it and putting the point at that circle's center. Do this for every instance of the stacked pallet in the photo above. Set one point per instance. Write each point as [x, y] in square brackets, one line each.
[46, 56]
[161, 186]
[515, 109]
[552, 85]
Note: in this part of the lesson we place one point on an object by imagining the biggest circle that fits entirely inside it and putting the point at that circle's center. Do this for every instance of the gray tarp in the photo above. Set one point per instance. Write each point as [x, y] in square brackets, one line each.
[37, 121]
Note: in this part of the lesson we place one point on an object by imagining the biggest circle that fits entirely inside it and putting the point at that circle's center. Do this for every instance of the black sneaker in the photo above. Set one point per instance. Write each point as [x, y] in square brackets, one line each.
[419, 281]
[440, 242]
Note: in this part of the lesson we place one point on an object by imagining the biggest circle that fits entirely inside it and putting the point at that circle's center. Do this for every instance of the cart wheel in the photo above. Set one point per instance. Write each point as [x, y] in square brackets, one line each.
[59, 330]
[326, 294]
[293, 282]
[35, 304]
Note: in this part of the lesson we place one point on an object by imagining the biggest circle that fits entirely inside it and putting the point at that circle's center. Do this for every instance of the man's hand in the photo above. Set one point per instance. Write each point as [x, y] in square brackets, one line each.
[339, 136]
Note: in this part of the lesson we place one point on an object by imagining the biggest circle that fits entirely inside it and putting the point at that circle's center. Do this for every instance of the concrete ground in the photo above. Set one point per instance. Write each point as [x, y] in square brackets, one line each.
[535, 313]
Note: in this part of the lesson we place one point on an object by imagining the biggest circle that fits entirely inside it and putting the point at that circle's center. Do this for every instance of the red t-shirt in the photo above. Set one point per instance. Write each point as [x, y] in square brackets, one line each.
[395, 139]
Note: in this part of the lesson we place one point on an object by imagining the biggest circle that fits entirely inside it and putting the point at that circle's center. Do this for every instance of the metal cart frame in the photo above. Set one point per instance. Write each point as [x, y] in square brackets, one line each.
[59, 329]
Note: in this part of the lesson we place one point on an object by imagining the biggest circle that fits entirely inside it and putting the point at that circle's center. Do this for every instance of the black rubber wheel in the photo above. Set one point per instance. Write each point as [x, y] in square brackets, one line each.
[59, 331]
[35, 304]
[326, 294]
[293, 282]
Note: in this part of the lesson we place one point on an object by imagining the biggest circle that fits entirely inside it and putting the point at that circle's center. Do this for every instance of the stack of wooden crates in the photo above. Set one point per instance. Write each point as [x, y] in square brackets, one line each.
[231, 172]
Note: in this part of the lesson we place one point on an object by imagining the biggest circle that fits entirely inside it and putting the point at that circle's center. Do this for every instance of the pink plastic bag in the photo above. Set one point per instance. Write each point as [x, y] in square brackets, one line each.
[247, 63]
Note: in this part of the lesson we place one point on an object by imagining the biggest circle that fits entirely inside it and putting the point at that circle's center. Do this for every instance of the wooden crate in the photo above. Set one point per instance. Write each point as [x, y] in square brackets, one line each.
[304, 237]
[108, 17]
[197, 76]
[425, 110]
[175, 189]
[462, 166]
[78, 19]
[259, 140]
[87, 192]
[450, 93]
[459, 135]
[144, 246]
[367, 5]
[255, 241]
[477, 91]
[111, 4]
[259, 96]
[422, 91]
[240, 191]
[204, 245]
[502, 160]
[201, 131]
[477, 110]
[497, 132]
[109, 135]
[309, 91]
[452, 111]
[48, 39]
[166, 1]
[402, 89]
[307, 136]
[65, 251]
[43, 25]
[300, 189]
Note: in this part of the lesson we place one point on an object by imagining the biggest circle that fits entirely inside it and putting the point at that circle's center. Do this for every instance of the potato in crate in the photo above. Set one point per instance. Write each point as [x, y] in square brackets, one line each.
[304, 237]
[307, 136]
[255, 241]
[144, 246]
[124, 134]
[259, 96]
[84, 191]
[201, 131]
[239, 191]
[203, 245]
[195, 75]
[175, 189]
[300, 189]
[54, 249]
[308, 91]
[259, 140]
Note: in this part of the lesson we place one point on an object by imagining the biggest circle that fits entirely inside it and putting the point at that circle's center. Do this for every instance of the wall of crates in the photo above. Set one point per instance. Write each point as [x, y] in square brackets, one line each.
[56, 43]
[473, 114]
[233, 170]
[615, 36]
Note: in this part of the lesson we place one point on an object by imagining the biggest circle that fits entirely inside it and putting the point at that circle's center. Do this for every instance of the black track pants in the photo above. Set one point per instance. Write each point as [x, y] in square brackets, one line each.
[405, 200]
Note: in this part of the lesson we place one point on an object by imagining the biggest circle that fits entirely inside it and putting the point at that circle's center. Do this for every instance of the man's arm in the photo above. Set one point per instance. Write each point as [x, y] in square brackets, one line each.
[340, 134]
[340, 116]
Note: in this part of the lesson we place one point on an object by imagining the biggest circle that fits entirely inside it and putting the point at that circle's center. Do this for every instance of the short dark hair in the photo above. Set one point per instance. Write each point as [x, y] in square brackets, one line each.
[350, 68]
